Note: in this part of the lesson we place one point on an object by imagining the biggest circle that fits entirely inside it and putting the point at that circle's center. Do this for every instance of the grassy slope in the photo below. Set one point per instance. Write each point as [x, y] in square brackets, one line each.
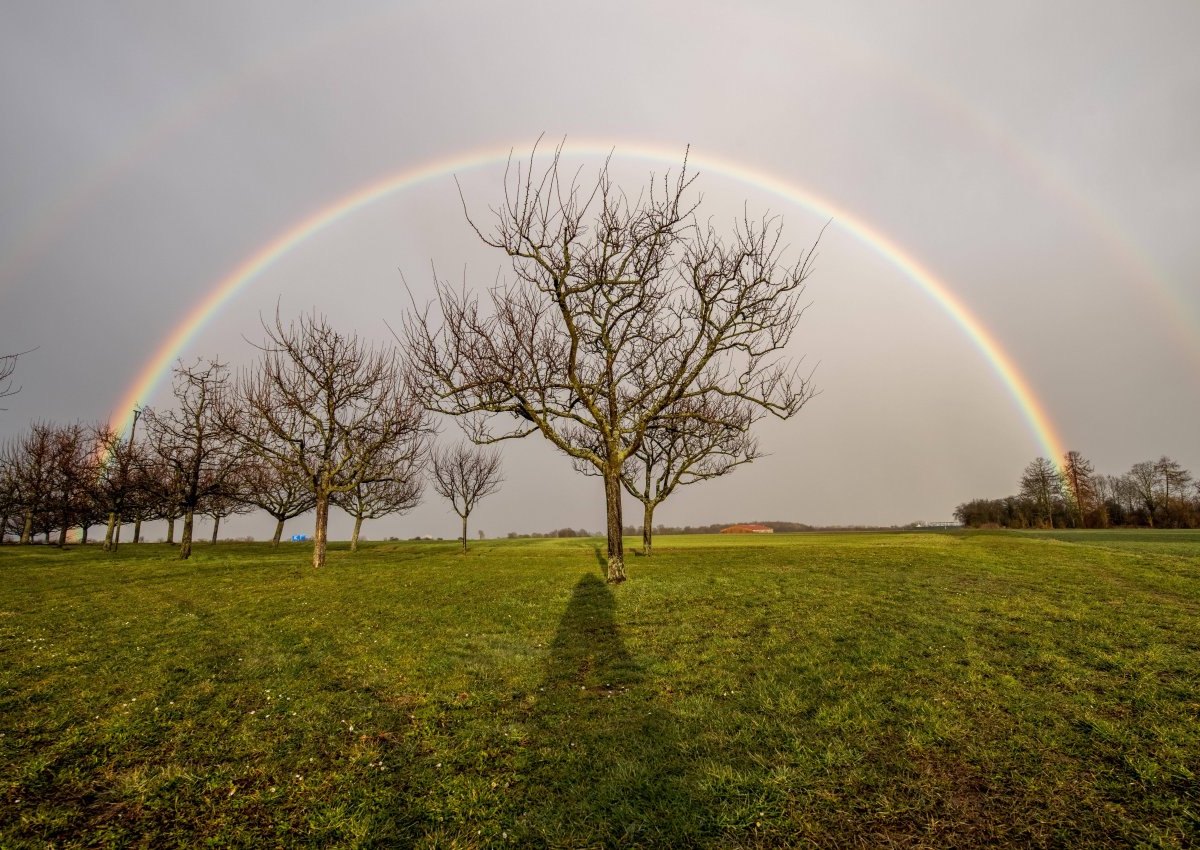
[857, 689]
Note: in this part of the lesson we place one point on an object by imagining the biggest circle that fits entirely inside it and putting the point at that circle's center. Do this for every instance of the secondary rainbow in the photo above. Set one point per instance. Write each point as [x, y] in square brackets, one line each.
[160, 363]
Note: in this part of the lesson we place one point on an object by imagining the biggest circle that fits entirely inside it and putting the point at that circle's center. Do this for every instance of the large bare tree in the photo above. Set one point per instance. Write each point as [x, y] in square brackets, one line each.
[463, 475]
[617, 309]
[191, 440]
[331, 405]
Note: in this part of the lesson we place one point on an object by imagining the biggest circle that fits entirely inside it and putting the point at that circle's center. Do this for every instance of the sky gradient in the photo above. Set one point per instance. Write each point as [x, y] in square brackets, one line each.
[1028, 176]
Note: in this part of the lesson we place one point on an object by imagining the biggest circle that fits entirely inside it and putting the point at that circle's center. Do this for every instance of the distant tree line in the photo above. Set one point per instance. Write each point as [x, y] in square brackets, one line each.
[716, 528]
[639, 530]
[558, 532]
[1152, 494]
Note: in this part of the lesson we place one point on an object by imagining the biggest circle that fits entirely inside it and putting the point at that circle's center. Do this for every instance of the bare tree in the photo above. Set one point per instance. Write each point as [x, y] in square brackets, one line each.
[1142, 480]
[464, 475]
[607, 325]
[72, 478]
[1041, 483]
[695, 440]
[144, 506]
[1174, 480]
[394, 489]
[1078, 479]
[121, 478]
[30, 461]
[8, 491]
[48, 479]
[329, 404]
[191, 440]
[163, 485]
[1105, 494]
[279, 489]
[1123, 501]
[226, 500]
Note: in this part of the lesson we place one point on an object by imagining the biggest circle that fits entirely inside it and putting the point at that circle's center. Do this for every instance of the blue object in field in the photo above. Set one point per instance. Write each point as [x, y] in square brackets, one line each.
[299, 538]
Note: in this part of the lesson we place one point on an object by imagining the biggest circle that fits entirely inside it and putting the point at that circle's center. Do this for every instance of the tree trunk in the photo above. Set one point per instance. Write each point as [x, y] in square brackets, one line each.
[321, 530]
[27, 531]
[108, 532]
[185, 541]
[354, 536]
[216, 528]
[117, 534]
[647, 526]
[612, 504]
[137, 530]
[170, 531]
[464, 537]
[83, 534]
[278, 532]
[62, 537]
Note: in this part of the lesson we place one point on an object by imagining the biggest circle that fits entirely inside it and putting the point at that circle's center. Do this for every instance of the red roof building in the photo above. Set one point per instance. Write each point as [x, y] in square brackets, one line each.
[748, 528]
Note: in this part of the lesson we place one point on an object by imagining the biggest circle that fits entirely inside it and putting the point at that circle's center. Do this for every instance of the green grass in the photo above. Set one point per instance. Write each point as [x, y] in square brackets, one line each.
[923, 690]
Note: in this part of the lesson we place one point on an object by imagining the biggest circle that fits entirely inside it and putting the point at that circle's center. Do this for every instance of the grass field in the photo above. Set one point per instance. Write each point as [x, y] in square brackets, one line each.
[909, 690]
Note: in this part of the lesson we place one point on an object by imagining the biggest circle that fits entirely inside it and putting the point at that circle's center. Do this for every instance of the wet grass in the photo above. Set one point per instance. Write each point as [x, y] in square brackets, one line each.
[816, 690]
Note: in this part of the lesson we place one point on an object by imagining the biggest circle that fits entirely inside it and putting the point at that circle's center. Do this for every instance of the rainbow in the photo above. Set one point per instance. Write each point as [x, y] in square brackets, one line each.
[160, 363]
[40, 233]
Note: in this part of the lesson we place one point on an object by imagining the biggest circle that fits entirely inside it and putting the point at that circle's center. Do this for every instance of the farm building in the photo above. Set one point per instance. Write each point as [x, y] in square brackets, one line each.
[748, 528]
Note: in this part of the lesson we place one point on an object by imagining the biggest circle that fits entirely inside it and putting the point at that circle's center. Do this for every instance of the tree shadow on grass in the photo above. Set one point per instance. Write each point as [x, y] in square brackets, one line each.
[601, 559]
[602, 761]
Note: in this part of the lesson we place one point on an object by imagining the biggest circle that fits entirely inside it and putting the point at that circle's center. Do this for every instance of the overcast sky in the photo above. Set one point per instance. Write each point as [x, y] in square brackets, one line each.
[1042, 160]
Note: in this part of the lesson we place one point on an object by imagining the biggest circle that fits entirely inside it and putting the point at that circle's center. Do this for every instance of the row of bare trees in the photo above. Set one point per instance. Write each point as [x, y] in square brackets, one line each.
[323, 419]
[1152, 494]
